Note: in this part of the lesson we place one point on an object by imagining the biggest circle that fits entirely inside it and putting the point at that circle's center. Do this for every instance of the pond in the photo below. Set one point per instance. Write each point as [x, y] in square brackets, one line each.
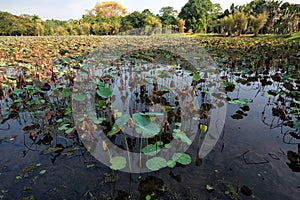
[155, 122]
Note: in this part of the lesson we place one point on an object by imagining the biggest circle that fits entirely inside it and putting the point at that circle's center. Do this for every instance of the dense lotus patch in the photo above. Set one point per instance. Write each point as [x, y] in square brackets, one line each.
[40, 80]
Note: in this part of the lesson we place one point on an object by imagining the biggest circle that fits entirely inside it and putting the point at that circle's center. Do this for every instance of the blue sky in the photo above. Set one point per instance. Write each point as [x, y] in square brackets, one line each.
[74, 9]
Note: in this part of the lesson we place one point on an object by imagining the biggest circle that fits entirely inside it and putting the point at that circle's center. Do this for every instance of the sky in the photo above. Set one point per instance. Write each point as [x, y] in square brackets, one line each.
[74, 9]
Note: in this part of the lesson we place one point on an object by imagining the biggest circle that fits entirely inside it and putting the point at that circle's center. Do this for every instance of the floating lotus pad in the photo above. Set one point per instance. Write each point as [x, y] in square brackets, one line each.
[182, 158]
[241, 101]
[118, 163]
[152, 149]
[182, 136]
[78, 97]
[156, 163]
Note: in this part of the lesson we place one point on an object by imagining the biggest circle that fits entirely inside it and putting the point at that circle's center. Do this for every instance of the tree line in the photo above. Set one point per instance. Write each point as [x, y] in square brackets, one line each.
[196, 16]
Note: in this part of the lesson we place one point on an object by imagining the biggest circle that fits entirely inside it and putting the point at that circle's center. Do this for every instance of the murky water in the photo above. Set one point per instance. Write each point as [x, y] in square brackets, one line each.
[252, 152]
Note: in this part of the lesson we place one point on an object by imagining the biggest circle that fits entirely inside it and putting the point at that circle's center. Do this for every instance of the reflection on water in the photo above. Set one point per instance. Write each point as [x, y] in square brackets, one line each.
[294, 160]
[259, 150]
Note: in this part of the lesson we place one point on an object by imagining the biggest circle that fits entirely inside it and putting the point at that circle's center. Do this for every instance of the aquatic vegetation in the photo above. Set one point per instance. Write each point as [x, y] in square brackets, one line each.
[241, 101]
[117, 163]
[144, 126]
[148, 110]
[156, 163]
[37, 89]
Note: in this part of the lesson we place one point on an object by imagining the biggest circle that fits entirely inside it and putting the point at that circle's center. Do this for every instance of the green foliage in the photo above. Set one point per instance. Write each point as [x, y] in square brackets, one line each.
[228, 24]
[43, 171]
[181, 136]
[144, 126]
[156, 163]
[196, 13]
[229, 86]
[152, 21]
[122, 120]
[196, 77]
[182, 158]
[258, 22]
[151, 149]
[118, 163]
[242, 101]
[241, 22]
[258, 16]
[78, 97]
[104, 92]
[133, 20]
[209, 188]
[13, 25]
[168, 17]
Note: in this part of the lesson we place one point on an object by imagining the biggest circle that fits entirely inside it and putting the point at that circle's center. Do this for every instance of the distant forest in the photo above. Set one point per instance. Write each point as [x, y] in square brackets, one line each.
[196, 16]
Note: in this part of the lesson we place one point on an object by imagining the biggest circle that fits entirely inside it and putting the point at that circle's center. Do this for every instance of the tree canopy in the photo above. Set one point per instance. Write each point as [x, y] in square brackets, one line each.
[107, 9]
[168, 16]
[256, 17]
[196, 13]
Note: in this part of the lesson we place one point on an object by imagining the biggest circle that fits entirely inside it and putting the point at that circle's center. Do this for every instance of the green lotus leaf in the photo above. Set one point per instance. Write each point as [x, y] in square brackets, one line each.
[182, 136]
[78, 97]
[182, 158]
[156, 163]
[241, 101]
[104, 92]
[151, 149]
[118, 162]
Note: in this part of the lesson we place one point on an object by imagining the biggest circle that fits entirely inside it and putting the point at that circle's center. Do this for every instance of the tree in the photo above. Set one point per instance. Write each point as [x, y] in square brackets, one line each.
[274, 12]
[133, 20]
[60, 30]
[147, 12]
[181, 26]
[228, 24]
[126, 24]
[17, 25]
[152, 23]
[232, 8]
[86, 28]
[258, 22]
[70, 28]
[7, 23]
[196, 12]
[30, 25]
[240, 21]
[96, 29]
[39, 27]
[106, 27]
[168, 17]
[290, 18]
[255, 7]
[213, 21]
[51, 31]
[51, 26]
[107, 9]
[136, 20]
[115, 25]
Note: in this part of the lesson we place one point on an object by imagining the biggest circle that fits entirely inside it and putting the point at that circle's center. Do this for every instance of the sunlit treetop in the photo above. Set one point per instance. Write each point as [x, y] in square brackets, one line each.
[107, 9]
